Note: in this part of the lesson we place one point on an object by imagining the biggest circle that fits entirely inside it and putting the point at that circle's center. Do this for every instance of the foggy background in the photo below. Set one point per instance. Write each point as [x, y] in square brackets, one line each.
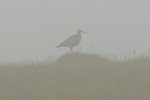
[31, 29]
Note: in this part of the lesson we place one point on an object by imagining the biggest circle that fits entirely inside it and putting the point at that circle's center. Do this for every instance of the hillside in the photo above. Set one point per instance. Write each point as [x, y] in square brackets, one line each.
[77, 77]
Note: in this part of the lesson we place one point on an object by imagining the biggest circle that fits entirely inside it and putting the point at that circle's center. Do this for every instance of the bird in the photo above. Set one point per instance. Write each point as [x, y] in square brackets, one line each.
[72, 41]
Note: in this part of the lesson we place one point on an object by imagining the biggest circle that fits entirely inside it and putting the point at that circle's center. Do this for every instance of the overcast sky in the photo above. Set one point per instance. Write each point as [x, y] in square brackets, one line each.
[31, 29]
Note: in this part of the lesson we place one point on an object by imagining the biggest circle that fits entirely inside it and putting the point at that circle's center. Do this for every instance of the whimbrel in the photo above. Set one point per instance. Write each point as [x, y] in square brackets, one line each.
[72, 41]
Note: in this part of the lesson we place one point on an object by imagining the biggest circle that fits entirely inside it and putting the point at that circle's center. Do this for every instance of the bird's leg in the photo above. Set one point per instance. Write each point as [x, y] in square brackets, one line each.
[71, 50]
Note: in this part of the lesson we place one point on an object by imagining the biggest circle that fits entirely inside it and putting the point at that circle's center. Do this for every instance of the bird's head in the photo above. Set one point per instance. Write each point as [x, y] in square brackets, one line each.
[80, 31]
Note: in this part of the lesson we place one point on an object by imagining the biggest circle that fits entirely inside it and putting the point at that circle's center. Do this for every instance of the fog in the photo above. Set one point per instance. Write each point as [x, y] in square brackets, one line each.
[31, 29]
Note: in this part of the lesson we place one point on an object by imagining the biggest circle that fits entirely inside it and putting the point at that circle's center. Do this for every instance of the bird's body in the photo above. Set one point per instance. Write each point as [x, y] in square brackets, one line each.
[72, 41]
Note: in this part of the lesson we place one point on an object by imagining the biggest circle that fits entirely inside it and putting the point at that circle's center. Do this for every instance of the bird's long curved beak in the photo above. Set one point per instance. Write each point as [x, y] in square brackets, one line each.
[84, 32]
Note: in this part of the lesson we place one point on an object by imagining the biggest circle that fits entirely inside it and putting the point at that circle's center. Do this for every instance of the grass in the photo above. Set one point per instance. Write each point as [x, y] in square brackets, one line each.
[77, 77]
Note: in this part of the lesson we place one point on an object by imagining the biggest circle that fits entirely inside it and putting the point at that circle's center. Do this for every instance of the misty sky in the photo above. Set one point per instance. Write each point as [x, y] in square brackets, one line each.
[31, 29]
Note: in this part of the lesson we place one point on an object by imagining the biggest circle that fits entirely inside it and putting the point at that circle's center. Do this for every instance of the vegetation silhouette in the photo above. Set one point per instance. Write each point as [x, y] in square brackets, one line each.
[77, 77]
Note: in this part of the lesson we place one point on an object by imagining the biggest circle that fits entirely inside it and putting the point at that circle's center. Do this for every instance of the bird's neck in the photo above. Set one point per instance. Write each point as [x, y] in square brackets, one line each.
[79, 34]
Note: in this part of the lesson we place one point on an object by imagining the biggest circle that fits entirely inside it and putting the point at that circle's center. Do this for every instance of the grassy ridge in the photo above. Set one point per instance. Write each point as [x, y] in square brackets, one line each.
[77, 77]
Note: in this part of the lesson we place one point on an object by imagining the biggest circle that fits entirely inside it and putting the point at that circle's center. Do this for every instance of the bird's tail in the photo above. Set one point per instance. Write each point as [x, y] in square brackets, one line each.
[58, 46]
